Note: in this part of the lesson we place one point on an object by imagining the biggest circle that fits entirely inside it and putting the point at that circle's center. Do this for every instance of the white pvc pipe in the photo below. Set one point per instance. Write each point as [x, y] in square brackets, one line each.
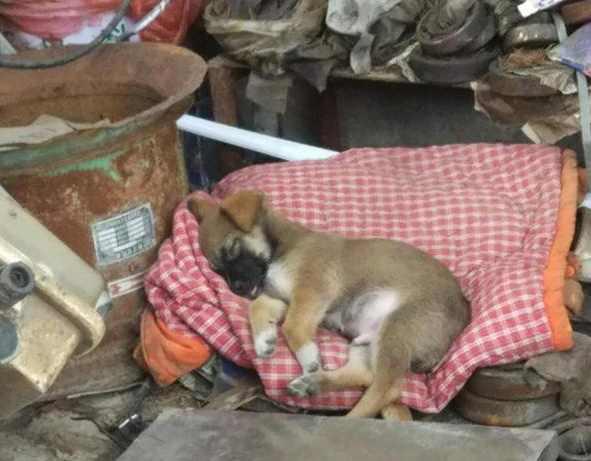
[269, 145]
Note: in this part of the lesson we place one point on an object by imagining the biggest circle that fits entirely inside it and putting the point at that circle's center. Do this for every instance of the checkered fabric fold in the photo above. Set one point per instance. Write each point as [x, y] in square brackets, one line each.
[487, 211]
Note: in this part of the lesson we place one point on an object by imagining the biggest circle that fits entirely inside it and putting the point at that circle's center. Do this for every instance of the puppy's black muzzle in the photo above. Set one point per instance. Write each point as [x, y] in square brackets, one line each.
[246, 274]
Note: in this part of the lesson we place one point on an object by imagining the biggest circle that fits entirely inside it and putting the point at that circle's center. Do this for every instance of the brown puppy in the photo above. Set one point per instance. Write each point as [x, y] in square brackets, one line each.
[400, 307]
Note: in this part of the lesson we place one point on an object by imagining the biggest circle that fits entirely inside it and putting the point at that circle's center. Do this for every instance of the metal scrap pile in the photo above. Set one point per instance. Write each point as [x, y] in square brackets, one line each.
[524, 87]
[457, 42]
[443, 42]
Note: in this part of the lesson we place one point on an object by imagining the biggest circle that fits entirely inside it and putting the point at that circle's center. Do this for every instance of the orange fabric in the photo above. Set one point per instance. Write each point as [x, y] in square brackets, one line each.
[166, 354]
[556, 268]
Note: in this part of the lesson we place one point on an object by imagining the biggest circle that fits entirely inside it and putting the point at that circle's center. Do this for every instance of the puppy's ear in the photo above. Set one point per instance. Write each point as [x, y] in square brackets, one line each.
[243, 208]
[201, 208]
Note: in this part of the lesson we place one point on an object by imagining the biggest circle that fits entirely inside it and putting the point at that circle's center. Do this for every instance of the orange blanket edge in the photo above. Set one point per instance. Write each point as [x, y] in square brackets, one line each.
[556, 266]
[166, 354]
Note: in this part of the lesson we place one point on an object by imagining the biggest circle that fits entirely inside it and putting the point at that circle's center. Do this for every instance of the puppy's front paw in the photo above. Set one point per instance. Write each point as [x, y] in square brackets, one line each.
[309, 358]
[304, 386]
[265, 342]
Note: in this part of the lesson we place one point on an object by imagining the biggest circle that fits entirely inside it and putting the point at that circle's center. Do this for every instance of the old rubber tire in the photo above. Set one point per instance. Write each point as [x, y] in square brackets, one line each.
[449, 43]
[452, 70]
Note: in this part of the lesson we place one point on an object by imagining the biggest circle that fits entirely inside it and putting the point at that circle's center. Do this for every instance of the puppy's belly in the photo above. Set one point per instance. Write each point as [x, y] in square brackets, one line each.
[360, 319]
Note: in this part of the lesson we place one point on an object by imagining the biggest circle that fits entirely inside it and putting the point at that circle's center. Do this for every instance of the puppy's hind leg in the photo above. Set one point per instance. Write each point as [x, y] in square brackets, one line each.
[265, 313]
[391, 361]
[355, 373]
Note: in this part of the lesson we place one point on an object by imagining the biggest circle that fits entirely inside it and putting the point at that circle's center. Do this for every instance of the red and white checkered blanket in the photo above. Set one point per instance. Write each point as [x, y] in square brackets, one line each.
[487, 211]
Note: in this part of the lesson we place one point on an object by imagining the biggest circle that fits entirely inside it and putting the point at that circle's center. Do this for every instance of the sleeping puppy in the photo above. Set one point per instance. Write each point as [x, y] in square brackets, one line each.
[400, 307]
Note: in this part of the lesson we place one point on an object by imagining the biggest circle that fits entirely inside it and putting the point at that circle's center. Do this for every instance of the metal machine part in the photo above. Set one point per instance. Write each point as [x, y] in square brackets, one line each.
[16, 282]
[8, 340]
[46, 315]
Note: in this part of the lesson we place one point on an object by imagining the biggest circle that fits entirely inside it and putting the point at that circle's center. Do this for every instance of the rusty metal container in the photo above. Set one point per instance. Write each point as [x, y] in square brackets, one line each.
[46, 315]
[108, 190]
[503, 396]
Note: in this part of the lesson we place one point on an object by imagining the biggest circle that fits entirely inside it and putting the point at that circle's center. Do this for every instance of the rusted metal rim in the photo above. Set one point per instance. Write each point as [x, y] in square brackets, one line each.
[170, 74]
[514, 413]
[500, 384]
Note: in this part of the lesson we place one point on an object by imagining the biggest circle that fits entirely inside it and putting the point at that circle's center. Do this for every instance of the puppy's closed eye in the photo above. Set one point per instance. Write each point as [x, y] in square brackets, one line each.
[231, 249]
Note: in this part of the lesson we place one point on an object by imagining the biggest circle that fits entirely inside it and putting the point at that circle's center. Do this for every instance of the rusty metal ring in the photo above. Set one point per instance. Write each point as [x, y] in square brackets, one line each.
[454, 69]
[502, 384]
[508, 413]
[487, 34]
[530, 36]
[509, 84]
[452, 42]
[569, 444]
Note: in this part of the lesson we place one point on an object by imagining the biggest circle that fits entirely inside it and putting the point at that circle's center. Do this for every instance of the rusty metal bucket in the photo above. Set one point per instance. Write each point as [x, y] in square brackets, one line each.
[107, 191]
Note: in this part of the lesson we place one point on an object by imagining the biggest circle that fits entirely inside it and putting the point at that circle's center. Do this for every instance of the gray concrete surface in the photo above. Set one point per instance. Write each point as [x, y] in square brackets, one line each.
[237, 436]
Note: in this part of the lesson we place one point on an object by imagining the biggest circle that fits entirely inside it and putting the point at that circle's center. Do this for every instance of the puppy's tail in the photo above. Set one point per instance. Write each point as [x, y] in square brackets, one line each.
[390, 367]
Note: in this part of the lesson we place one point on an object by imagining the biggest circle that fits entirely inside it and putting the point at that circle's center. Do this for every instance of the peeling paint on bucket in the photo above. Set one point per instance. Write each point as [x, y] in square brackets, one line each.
[109, 192]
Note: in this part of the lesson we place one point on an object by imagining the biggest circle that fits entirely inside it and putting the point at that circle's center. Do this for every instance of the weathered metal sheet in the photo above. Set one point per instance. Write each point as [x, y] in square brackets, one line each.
[223, 436]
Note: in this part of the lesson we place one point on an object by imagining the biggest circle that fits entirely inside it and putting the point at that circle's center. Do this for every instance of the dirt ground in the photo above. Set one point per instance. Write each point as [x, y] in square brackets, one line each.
[74, 430]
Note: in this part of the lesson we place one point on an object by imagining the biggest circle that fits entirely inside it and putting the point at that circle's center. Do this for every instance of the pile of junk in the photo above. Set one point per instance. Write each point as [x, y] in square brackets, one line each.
[520, 60]
[121, 337]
